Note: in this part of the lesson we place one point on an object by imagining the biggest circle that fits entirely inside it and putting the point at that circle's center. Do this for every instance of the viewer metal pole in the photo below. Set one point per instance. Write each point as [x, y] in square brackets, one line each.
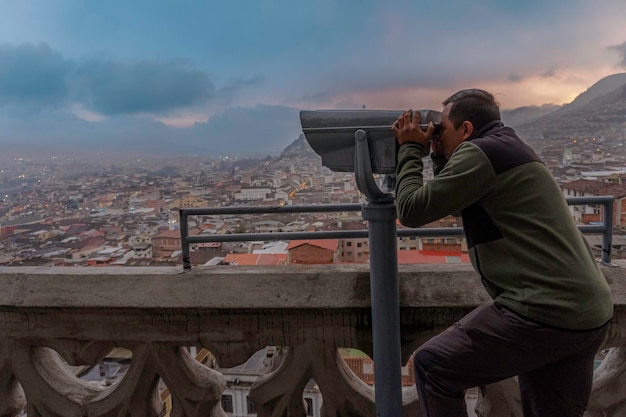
[380, 213]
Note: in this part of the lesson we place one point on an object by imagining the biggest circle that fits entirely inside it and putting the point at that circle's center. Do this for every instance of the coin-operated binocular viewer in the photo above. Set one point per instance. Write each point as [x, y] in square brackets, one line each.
[361, 141]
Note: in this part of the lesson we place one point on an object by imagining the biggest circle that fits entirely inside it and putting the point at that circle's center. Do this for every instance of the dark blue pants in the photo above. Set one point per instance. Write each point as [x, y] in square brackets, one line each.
[492, 343]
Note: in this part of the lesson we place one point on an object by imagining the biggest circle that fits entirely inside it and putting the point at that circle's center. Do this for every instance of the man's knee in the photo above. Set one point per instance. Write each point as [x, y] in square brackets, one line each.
[424, 361]
[430, 375]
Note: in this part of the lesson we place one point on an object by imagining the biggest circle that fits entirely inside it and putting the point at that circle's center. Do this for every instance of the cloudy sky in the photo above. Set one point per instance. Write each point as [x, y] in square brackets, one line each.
[231, 75]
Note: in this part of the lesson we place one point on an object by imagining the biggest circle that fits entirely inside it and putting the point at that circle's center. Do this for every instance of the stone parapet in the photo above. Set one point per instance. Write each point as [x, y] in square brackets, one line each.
[55, 318]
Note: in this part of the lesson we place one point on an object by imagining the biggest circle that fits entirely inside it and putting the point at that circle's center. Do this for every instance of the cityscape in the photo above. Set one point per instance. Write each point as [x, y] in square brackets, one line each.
[97, 209]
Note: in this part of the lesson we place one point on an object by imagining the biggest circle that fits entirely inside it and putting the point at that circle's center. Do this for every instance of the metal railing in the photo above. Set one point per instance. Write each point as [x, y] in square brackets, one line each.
[605, 228]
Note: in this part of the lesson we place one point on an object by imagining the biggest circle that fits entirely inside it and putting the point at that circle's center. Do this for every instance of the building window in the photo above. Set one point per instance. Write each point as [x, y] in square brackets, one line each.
[251, 406]
[349, 244]
[309, 406]
[359, 245]
[227, 403]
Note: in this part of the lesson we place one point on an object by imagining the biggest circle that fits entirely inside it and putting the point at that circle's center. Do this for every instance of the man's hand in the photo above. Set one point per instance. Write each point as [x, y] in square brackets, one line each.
[407, 129]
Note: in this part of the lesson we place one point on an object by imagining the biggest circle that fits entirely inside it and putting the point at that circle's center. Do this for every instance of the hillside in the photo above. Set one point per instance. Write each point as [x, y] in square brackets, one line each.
[298, 149]
[526, 114]
[599, 112]
[601, 88]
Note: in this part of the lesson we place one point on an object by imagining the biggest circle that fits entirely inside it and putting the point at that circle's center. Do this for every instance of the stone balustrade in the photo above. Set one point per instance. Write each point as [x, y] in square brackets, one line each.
[55, 318]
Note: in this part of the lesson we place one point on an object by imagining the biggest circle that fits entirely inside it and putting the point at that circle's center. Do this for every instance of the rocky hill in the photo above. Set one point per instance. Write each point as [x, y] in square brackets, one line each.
[599, 113]
[299, 149]
[526, 114]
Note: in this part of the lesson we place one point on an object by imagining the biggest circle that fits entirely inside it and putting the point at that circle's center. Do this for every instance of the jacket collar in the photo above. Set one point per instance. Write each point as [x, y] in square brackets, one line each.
[496, 124]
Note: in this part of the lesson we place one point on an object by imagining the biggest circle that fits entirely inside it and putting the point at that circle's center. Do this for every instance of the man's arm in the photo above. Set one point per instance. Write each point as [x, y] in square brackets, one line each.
[465, 178]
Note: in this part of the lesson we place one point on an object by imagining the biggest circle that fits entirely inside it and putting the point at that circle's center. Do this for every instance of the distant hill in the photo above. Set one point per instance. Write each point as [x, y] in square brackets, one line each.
[598, 112]
[299, 148]
[603, 87]
[526, 114]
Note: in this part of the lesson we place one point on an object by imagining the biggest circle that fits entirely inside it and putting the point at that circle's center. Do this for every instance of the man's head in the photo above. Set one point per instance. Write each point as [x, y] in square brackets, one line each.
[479, 107]
[464, 114]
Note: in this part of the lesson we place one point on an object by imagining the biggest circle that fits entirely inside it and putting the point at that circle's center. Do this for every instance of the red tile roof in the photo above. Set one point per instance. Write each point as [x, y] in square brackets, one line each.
[330, 244]
[596, 188]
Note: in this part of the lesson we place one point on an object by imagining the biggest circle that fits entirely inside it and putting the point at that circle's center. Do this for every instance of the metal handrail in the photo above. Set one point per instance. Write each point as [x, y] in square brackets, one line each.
[606, 228]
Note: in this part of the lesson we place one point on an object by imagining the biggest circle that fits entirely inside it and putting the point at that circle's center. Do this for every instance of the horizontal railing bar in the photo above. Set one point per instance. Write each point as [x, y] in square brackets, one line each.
[330, 234]
[605, 228]
[322, 208]
[246, 237]
[583, 200]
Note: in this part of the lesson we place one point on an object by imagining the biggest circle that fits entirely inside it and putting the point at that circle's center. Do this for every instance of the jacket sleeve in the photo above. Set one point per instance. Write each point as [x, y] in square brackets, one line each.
[466, 177]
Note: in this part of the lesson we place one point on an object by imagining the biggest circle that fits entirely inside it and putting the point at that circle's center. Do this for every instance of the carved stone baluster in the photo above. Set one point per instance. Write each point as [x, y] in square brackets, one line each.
[12, 399]
[52, 390]
[344, 394]
[280, 392]
[608, 394]
[136, 395]
[501, 399]
[50, 387]
[196, 389]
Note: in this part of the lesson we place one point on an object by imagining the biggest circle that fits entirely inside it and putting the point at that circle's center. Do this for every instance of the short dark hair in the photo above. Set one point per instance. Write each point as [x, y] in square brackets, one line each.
[474, 105]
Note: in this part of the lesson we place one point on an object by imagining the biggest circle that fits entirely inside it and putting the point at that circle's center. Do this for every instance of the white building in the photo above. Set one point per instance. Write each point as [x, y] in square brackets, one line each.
[255, 193]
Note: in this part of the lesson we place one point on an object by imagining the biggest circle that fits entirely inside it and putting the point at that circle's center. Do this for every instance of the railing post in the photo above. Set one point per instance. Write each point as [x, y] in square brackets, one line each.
[184, 241]
[607, 236]
[606, 228]
[380, 213]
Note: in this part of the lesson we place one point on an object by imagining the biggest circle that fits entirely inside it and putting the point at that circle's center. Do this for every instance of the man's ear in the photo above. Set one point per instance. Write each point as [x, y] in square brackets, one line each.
[468, 129]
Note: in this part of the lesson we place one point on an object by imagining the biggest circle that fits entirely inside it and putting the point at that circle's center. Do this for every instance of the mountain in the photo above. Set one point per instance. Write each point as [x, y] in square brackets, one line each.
[299, 148]
[599, 112]
[526, 114]
[601, 88]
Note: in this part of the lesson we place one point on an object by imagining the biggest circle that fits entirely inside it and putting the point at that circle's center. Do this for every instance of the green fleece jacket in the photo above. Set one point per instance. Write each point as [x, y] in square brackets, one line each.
[521, 237]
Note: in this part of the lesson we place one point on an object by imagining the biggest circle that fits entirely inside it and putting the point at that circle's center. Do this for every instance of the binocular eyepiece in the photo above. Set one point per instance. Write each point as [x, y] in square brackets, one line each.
[436, 130]
[331, 134]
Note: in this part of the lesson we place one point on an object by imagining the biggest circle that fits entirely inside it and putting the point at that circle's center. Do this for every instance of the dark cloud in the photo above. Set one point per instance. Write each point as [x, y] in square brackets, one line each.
[550, 72]
[32, 75]
[621, 51]
[232, 87]
[514, 77]
[114, 88]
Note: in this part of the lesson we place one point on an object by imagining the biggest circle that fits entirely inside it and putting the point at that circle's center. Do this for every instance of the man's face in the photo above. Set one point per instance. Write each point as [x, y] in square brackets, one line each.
[450, 138]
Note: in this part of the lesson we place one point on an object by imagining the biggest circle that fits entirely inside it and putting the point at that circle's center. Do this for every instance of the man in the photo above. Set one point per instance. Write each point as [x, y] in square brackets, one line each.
[551, 303]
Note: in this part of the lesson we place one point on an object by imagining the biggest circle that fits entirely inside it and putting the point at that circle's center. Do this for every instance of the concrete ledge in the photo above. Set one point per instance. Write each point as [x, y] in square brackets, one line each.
[238, 310]
[228, 287]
